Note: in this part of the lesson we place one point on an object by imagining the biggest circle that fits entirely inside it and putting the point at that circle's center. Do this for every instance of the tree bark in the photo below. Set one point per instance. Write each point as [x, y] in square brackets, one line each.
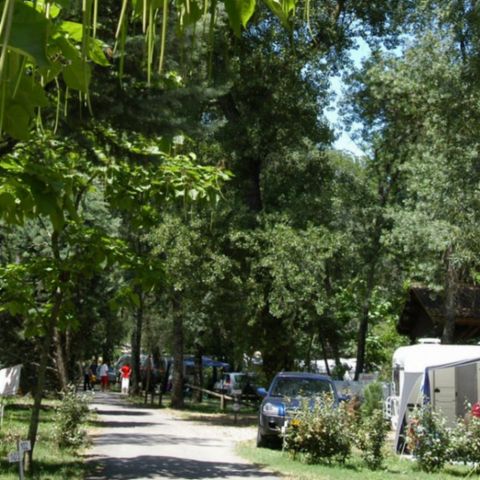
[451, 287]
[57, 300]
[177, 400]
[325, 355]
[198, 375]
[137, 344]
[61, 361]
[363, 327]
[38, 393]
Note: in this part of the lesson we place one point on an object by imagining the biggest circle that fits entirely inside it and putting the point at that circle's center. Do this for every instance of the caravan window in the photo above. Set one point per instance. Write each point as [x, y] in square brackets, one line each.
[396, 380]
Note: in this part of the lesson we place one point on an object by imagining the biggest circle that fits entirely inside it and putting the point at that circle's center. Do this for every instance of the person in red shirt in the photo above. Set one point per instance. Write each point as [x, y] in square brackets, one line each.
[125, 372]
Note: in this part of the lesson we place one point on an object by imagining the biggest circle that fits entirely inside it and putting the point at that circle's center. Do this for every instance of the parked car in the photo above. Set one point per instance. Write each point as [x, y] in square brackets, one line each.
[236, 384]
[284, 397]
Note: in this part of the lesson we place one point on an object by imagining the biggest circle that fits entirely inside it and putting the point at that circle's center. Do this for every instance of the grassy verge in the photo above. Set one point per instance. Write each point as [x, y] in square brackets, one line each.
[209, 412]
[395, 467]
[50, 462]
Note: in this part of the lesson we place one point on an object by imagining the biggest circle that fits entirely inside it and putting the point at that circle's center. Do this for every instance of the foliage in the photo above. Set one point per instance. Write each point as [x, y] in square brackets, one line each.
[319, 432]
[428, 439]
[370, 438]
[373, 399]
[52, 462]
[395, 467]
[465, 442]
[70, 417]
[44, 49]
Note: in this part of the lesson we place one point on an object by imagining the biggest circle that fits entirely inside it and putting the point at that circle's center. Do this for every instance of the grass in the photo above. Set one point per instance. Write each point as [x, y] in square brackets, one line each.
[49, 461]
[395, 467]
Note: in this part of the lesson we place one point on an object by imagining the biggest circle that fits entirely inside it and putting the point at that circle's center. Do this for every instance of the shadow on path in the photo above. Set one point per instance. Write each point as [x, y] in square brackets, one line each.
[169, 467]
[124, 413]
[121, 424]
[151, 439]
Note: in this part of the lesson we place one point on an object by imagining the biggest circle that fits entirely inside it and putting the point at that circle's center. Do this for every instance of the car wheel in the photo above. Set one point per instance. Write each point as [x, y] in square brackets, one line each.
[262, 441]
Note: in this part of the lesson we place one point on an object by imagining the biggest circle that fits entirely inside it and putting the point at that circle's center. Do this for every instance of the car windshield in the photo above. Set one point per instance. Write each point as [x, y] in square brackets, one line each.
[300, 387]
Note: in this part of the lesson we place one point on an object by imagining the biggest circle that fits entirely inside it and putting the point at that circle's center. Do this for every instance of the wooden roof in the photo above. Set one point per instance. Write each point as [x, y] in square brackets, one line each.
[423, 314]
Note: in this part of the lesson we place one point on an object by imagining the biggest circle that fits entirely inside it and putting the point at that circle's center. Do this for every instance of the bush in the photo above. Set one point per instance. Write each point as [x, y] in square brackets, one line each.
[465, 442]
[370, 439]
[319, 432]
[428, 439]
[373, 399]
[69, 416]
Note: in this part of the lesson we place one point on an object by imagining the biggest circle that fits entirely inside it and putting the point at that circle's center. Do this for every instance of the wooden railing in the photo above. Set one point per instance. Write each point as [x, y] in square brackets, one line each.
[222, 396]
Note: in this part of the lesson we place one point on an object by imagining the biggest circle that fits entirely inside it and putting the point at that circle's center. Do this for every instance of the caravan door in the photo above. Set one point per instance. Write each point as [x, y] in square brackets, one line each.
[444, 392]
[466, 387]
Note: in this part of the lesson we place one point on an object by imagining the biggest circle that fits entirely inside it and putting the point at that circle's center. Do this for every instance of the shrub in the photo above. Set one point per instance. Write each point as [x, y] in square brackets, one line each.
[428, 439]
[69, 416]
[465, 442]
[373, 399]
[370, 439]
[319, 432]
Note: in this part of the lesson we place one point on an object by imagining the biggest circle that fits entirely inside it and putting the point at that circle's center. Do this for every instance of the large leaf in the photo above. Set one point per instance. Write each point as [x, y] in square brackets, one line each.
[29, 33]
[77, 73]
[95, 52]
[17, 121]
[30, 95]
[239, 13]
[283, 9]
[73, 30]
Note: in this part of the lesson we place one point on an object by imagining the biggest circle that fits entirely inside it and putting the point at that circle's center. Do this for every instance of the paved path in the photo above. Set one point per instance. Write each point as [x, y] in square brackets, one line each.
[141, 443]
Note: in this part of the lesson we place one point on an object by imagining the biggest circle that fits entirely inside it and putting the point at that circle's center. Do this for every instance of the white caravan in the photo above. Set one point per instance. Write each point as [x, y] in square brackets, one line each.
[448, 376]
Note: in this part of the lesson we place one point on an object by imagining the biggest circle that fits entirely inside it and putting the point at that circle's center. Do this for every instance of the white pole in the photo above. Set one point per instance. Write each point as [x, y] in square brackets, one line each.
[20, 461]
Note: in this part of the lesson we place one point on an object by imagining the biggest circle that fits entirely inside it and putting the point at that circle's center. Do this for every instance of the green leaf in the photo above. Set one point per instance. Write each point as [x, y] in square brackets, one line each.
[29, 33]
[283, 9]
[57, 219]
[73, 30]
[17, 122]
[239, 13]
[96, 53]
[77, 75]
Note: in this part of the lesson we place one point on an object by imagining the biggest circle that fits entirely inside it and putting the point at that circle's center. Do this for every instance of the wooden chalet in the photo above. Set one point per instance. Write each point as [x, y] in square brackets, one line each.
[424, 316]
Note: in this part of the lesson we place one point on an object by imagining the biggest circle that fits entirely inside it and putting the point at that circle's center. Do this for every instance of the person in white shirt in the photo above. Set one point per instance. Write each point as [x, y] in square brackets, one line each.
[103, 372]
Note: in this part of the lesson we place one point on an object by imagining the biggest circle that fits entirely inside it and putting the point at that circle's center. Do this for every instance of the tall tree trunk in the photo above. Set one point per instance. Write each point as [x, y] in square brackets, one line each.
[198, 375]
[177, 400]
[363, 327]
[137, 343]
[57, 300]
[60, 360]
[451, 287]
[308, 355]
[324, 352]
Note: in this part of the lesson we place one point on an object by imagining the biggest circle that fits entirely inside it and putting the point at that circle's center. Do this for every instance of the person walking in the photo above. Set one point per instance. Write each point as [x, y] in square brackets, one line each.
[93, 373]
[87, 374]
[126, 371]
[103, 373]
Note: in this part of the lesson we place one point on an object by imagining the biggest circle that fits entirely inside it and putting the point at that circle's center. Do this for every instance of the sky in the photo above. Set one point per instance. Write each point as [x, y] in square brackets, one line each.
[344, 140]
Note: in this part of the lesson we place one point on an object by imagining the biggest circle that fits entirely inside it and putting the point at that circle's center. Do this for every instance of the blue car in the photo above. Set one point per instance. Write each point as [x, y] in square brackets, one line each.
[285, 395]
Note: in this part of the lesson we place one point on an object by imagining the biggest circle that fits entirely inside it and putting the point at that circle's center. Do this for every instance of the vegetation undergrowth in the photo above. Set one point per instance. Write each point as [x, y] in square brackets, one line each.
[51, 461]
[394, 467]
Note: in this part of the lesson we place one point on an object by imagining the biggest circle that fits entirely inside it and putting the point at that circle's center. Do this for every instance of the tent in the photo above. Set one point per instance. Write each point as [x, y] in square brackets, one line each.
[448, 376]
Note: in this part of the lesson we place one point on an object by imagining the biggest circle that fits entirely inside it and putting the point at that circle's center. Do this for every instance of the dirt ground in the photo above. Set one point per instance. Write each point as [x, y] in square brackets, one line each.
[142, 443]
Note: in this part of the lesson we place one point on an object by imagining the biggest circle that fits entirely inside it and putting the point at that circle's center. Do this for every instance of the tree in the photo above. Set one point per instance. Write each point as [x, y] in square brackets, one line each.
[419, 112]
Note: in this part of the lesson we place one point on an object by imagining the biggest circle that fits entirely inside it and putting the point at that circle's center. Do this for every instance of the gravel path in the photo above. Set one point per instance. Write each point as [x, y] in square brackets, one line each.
[142, 443]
